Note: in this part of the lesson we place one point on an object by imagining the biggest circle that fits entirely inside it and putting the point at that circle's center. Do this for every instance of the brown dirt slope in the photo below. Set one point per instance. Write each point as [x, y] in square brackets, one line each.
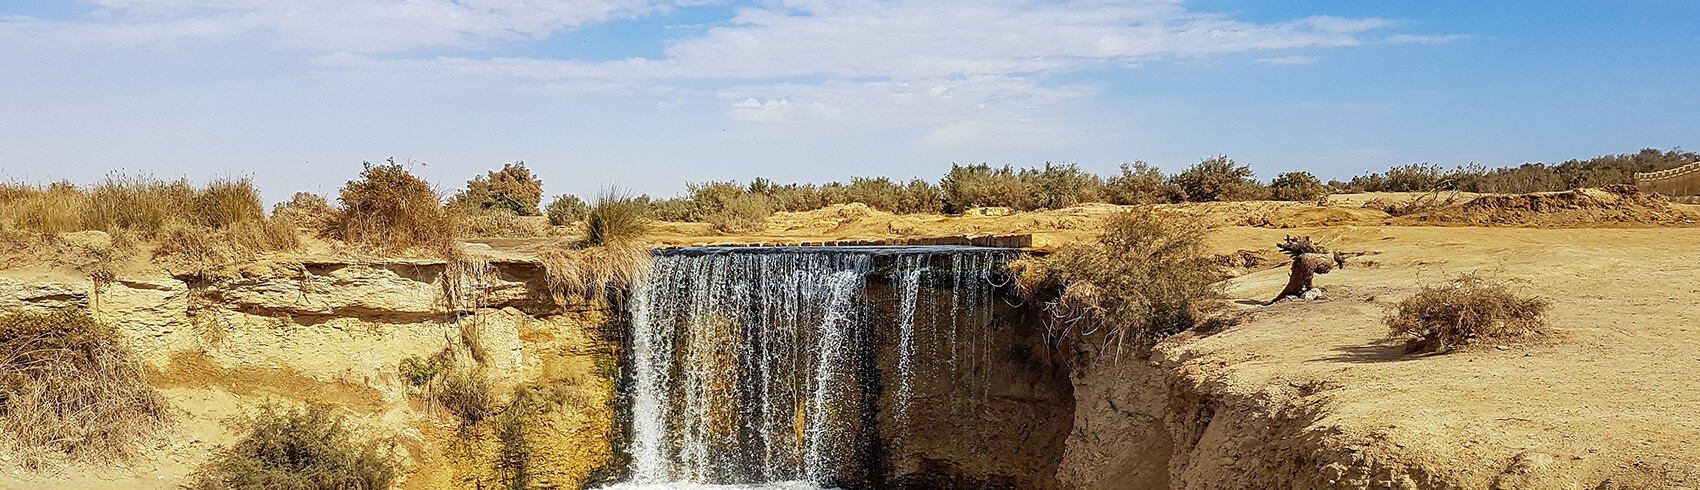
[1575, 208]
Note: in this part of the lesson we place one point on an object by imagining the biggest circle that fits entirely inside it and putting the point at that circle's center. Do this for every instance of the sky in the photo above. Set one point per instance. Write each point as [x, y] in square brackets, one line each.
[647, 95]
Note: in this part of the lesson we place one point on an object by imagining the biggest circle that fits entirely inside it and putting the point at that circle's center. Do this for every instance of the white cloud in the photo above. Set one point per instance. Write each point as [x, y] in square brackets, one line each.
[966, 70]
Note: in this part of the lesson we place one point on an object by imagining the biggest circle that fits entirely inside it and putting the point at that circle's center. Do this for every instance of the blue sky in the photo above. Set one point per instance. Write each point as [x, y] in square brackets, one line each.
[650, 94]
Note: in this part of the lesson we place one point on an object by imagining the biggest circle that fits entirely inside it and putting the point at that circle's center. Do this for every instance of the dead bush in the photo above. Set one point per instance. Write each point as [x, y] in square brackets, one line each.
[1420, 203]
[390, 209]
[495, 223]
[69, 389]
[1464, 310]
[465, 392]
[299, 449]
[308, 211]
[1146, 277]
[591, 273]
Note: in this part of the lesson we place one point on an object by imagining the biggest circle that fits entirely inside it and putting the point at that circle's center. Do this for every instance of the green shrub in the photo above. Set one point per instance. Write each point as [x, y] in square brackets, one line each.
[1297, 186]
[1146, 277]
[616, 217]
[512, 188]
[566, 209]
[1061, 186]
[1219, 179]
[981, 185]
[299, 449]
[670, 209]
[420, 371]
[1464, 310]
[389, 208]
[1140, 183]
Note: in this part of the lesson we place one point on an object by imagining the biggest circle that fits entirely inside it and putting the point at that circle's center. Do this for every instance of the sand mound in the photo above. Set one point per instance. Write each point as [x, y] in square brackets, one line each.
[1615, 204]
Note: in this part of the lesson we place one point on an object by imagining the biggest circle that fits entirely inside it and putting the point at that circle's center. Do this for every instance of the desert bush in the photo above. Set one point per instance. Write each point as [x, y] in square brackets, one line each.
[790, 197]
[389, 208]
[307, 210]
[566, 209]
[495, 223]
[669, 209]
[1297, 186]
[981, 185]
[741, 214]
[1527, 178]
[140, 204]
[1464, 310]
[1219, 179]
[616, 217]
[1420, 203]
[69, 388]
[465, 392]
[420, 371]
[1061, 186]
[1139, 183]
[1146, 277]
[512, 188]
[1610, 170]
[299, 449]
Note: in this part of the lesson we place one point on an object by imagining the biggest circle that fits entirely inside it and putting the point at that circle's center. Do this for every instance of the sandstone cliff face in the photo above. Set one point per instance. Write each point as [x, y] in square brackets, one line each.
[336, 334]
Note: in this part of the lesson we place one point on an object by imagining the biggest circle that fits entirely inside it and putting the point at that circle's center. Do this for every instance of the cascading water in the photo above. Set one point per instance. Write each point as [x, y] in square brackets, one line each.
[762, 367]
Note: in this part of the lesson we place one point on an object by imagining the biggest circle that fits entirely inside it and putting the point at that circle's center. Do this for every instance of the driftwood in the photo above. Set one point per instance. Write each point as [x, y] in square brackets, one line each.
[1309, 259]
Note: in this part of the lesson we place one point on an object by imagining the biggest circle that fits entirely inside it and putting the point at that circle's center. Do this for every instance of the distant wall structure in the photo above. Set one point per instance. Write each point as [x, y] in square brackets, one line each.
[1680, 181]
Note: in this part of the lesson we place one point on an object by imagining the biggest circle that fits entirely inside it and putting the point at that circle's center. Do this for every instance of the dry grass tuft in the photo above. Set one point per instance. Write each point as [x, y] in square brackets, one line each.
[1146, 277]
[1463, 310]
[300, 449]
[308, 211]
[590, 273]
[70, 390]
[465, 392]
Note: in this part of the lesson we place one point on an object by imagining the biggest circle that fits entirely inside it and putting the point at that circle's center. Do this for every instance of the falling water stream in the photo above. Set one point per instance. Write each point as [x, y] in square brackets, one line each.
[762, 367]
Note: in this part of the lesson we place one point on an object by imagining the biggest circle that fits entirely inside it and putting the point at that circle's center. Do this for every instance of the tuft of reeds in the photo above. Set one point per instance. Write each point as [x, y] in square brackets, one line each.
[68, 388]
[590, 273]
[299, 449]
[616, 217]
[1463, 310]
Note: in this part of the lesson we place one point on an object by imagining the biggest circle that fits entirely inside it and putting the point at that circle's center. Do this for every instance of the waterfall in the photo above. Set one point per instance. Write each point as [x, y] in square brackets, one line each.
[770, 366]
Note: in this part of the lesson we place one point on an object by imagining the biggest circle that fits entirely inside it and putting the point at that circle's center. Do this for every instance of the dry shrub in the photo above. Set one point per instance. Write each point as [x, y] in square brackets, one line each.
[69, 389]
[741, 214]
[591, 273]
[616, 217]
[391, 209]
[300, 449]
[495, 223]
[308, 211]
[1420, 203]
[1146, 277]
[465, 392]
[1463, 310]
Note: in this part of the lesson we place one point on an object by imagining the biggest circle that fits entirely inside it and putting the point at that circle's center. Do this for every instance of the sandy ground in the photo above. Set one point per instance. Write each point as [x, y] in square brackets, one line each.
[1610, 393]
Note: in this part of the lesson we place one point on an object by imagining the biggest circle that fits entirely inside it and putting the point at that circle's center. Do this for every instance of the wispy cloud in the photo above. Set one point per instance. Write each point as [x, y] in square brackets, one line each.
[970, 69]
